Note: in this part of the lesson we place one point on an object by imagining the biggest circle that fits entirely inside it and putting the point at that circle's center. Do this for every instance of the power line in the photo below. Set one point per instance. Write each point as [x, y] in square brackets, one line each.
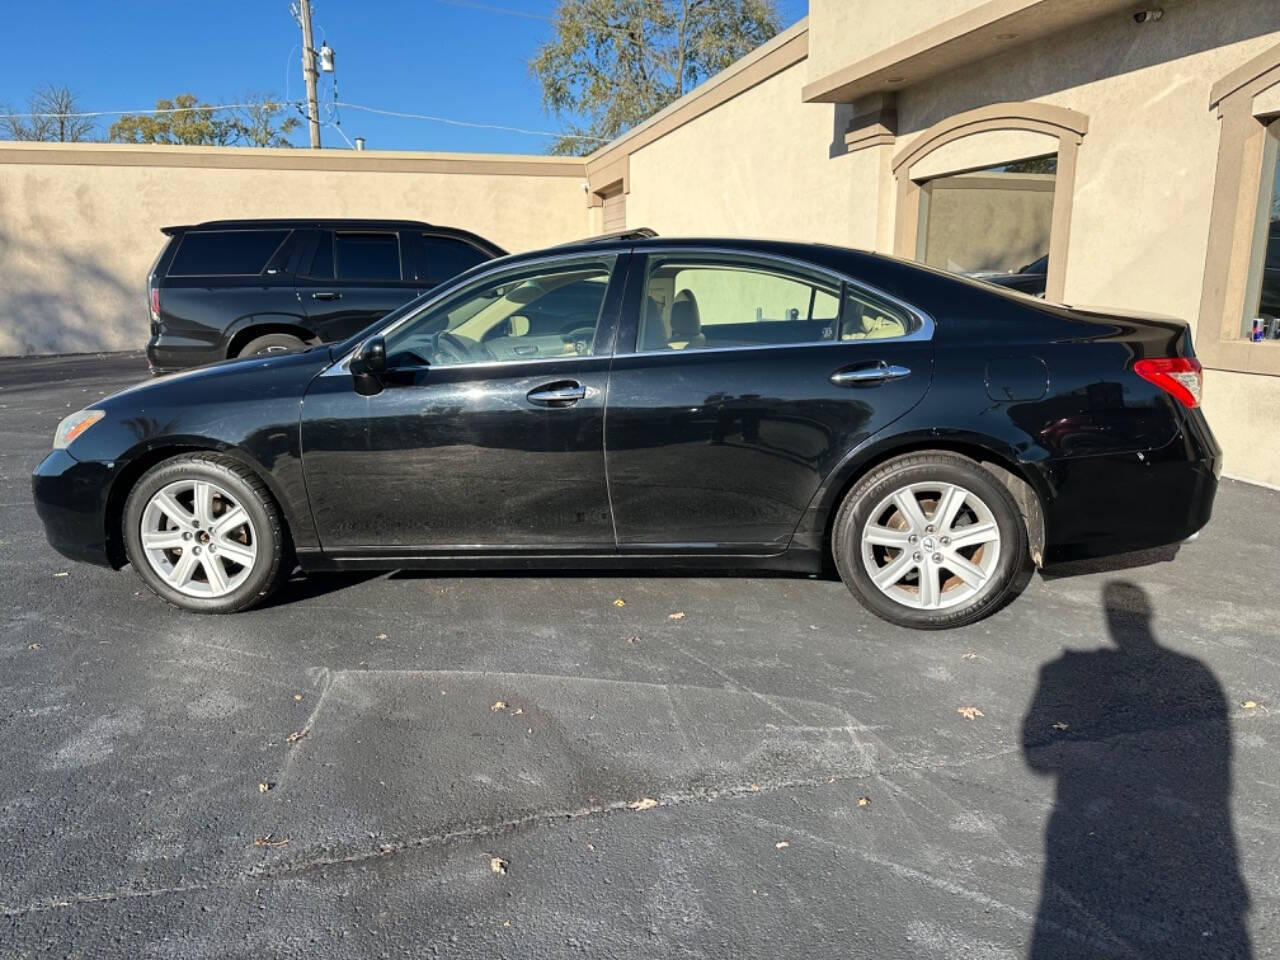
[298, 104]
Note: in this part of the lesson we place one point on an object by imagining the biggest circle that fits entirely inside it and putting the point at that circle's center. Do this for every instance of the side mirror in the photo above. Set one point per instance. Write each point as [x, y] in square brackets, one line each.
[369, 361]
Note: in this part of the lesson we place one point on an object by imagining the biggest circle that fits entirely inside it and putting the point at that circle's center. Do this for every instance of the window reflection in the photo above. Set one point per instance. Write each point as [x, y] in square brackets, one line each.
[1262, 322]
[992, 224]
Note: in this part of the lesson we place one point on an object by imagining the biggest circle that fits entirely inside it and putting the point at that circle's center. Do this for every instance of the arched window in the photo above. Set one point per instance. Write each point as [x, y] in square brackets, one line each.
[990, 191]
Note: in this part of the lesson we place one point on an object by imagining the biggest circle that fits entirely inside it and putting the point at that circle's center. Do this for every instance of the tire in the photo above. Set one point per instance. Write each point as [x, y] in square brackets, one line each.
[271, 343]
[986, 541]
[182, 511]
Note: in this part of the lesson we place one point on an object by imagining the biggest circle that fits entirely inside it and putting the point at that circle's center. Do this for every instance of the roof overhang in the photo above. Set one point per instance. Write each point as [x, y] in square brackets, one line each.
[974, 35]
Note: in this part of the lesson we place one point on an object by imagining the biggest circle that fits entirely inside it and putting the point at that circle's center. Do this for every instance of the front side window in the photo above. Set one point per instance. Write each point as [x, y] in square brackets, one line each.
[992, 224]
[1262, 321]
[692, 304]
[367, 256]
[539, 313]
[225, 253]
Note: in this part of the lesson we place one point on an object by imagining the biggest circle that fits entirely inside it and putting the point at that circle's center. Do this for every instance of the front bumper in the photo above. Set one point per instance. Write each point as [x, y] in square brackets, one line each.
[71, 498]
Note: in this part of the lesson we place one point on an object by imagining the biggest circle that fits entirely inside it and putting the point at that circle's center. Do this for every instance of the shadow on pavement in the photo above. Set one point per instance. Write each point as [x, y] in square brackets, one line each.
[1140, 852]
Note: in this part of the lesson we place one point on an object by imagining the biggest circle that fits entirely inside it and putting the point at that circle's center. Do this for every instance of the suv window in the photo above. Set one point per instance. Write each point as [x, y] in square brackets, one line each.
[693, 304]
[225, 253]
[531, 314]
[447, 257]
[367, 256]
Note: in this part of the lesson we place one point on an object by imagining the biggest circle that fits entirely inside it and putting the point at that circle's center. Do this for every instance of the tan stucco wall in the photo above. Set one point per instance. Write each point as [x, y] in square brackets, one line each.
[76, 240]
[843, 31]
[758, 165]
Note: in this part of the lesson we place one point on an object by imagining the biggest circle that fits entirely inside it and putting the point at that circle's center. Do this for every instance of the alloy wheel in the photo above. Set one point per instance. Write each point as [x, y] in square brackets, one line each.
[198, 538]
[931, 545]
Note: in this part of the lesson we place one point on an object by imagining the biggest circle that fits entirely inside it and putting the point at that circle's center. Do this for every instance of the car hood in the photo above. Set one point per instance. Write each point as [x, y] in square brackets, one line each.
[216, 378]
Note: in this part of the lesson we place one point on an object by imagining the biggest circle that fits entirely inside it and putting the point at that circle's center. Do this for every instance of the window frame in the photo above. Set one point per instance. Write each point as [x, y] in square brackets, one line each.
[629, 330]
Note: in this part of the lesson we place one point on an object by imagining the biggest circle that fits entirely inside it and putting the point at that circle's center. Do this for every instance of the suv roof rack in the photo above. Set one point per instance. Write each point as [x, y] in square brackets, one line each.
[635, 233]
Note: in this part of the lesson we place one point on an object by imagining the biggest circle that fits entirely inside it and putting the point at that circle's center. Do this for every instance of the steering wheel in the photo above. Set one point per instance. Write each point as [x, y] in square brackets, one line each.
[580, 340]
[449, 348]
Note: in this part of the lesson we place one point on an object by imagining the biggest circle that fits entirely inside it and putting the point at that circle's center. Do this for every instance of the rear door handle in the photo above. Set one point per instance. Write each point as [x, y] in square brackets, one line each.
[326, 295]
[564, 393]
[869, 375]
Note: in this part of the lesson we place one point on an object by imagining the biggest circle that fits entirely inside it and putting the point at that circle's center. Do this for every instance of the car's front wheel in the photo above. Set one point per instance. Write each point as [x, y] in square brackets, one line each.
[204, 533]
[930, 540]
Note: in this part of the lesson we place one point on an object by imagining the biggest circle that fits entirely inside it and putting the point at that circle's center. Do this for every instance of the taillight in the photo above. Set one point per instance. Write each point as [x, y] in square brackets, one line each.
[1179, 376]
[155, 304]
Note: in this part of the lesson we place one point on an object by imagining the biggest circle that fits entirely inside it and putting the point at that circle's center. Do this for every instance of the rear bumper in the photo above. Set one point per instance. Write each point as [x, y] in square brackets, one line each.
[167, 354]
[71, 500]
[1135, 501]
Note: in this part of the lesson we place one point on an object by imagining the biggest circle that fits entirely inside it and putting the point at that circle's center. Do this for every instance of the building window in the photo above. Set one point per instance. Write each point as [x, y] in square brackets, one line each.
[993, 223]
[1262, 295]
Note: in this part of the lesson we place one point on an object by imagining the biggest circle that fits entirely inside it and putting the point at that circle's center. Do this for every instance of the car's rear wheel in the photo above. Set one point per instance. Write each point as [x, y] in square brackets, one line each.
[204, 533]
[930, 540]
[271, 343]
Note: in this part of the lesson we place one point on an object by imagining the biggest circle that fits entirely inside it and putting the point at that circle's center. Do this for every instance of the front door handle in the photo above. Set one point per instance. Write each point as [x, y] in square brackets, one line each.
[326, 295]
[564, 393]
[869, 375]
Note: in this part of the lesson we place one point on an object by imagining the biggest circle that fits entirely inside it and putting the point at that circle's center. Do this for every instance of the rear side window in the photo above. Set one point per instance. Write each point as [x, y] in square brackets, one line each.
[447, 257]
[225, 253]
[367, 256]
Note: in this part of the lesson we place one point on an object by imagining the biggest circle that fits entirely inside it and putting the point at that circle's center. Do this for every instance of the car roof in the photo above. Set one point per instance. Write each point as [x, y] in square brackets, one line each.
[299, 222]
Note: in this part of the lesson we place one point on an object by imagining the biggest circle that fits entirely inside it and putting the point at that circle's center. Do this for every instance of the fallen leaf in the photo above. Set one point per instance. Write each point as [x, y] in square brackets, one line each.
[270, 840]
[497, 865]
[297, 696]
[517, 711]
[969, 656]
[506, 923]
[1248, 704]
[755, 787]
[499, 705]
[296, 736]
[263, 786]
[33, 646]
[63, 573]
[619, 602]
[648, 803]
[781, 845]
[678, 615]
[1061, 726]
[381, 636]
[864, 801]
[969, 712]
[633, 640]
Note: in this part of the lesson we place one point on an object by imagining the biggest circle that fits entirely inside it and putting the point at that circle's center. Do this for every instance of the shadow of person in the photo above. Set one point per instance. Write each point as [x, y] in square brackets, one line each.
[1140, 855]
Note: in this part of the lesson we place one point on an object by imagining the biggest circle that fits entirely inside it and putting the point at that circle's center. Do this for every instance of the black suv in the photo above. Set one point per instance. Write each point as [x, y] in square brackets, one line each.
[235, 288]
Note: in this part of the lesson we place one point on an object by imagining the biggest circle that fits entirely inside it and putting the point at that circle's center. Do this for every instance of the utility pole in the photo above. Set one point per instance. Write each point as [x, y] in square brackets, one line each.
[309, 72]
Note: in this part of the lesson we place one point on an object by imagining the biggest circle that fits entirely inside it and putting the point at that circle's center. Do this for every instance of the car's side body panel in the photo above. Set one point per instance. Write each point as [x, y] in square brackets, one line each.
[697, 458]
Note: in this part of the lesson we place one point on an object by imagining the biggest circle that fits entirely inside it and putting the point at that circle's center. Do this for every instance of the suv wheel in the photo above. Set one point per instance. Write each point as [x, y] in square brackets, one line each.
[930, 541]
[204, 533]
[271, 343]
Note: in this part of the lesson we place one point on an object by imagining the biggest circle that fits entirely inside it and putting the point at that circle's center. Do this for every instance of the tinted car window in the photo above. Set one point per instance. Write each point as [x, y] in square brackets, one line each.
[218, 253]
[322, 262]
[367, 256]
[447, 257]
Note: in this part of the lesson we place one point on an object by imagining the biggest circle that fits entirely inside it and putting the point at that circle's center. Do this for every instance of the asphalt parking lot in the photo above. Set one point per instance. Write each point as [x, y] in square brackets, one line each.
[522, 766]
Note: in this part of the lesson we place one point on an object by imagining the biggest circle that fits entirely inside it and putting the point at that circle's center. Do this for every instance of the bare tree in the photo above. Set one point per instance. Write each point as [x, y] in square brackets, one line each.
[52, 118]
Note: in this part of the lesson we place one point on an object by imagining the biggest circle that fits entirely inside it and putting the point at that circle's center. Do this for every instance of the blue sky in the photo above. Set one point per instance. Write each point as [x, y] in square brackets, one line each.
[428, 57]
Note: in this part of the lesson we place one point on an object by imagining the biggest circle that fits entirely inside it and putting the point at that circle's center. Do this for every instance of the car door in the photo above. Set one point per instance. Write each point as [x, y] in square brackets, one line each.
[487, 436]
[749, 380]
[353, 278]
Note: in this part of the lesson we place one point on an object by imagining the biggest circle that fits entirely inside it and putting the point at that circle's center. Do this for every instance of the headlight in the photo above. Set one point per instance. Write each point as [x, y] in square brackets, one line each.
[74, 425]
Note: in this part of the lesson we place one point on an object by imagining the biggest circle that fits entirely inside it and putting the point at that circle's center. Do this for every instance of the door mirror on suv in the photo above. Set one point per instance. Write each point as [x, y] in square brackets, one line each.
[369, 362]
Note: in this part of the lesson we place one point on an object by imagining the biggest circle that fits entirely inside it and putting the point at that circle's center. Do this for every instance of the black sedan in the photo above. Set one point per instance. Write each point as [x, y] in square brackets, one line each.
[659, 404]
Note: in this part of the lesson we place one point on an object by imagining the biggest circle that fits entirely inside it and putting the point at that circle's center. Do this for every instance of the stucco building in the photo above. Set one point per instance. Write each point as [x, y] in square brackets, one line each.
[1127, 154]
